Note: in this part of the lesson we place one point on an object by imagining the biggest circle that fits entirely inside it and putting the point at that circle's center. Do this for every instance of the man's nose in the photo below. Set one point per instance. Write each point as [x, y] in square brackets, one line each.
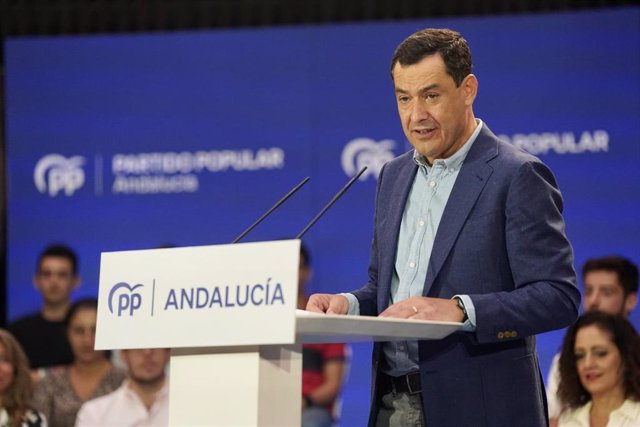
[592, 302]
[420, 110]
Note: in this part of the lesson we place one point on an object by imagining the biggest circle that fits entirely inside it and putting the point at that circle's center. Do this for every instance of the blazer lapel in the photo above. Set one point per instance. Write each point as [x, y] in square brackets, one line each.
[472, 178]
[389, 229]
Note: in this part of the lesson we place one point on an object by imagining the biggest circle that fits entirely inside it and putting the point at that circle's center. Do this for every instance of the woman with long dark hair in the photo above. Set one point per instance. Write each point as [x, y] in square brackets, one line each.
[600, 373]
[15, 386]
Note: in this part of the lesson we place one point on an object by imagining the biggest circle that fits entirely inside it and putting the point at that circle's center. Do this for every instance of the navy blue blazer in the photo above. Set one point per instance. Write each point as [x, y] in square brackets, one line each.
[501, 240]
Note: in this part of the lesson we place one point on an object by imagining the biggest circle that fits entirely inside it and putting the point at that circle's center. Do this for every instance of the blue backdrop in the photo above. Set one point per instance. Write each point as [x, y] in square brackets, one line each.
[133, 141]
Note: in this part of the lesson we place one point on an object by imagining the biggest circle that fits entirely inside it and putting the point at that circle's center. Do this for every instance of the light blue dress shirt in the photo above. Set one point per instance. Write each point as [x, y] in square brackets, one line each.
[420, 220]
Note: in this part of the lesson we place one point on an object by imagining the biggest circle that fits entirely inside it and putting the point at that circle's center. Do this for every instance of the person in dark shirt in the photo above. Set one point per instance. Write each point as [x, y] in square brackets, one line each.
[42, 334]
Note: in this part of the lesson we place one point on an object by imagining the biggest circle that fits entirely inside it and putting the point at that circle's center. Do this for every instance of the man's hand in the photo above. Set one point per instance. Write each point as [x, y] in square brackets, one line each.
[425, 308]
[328, 303]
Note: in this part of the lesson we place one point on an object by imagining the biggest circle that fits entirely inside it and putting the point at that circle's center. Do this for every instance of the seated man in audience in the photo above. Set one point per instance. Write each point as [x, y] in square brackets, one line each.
[42, 334]
[322, 365]
[143, 398]
[610, 286]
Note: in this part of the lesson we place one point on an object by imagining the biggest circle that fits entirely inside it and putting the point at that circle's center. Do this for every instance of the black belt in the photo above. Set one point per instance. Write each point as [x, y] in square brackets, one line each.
[409, 383]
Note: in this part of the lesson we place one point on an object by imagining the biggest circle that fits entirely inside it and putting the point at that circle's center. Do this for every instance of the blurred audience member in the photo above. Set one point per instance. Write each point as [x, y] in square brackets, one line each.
[64, 389]
[600, 373]
[322, 365]
[42, 334]
[610, 286]
[142, 400]
[16, 386]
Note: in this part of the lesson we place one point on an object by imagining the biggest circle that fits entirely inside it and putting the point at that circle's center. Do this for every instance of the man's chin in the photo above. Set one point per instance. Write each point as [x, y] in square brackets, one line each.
[148, 381]
[424, 147]
[57, 302]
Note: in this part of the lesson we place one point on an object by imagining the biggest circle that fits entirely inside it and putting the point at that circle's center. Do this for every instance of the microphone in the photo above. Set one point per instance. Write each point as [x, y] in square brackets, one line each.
[331, 202]
[273, 208]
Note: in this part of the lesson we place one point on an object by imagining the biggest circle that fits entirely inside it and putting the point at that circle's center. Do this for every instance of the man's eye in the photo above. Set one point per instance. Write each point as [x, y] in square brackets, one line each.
[60, 274]
[432, 96]
[403, 99]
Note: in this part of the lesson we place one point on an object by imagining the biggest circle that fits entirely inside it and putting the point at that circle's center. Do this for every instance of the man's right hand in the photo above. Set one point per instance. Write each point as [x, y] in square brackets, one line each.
[328, 303]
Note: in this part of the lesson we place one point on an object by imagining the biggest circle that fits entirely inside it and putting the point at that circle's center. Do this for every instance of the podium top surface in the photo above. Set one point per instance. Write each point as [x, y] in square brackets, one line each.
[328, 328]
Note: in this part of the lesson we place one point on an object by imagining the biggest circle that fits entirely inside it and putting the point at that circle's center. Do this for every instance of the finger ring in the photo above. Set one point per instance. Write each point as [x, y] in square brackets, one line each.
[415, 310]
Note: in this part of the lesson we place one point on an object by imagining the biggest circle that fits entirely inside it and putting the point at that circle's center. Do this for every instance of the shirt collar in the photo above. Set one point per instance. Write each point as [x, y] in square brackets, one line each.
[629, 409]
[162, 393]
[454, 162]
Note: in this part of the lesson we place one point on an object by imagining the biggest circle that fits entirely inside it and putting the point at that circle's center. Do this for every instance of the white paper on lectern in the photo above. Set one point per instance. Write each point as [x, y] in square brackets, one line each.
[207, 296]
[332, 328]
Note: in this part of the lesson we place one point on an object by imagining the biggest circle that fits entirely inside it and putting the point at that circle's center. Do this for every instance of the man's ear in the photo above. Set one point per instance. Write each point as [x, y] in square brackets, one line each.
[630, 302]
[470, 87]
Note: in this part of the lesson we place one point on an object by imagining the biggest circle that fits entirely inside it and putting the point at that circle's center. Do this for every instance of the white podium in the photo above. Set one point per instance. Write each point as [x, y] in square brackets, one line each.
[228, 314]
[261, 385]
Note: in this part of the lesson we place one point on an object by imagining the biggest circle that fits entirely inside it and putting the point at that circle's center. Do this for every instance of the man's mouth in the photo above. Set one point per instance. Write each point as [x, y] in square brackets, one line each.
[424, 131]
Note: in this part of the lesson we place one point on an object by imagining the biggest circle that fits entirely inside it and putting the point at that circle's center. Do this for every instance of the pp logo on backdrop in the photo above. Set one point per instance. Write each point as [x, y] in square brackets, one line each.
[126, 297]
[55, 173]
[361, 152]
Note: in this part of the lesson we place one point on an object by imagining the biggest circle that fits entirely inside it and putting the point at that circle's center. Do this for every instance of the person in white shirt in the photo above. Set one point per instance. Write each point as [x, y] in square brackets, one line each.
[600, 373]
[141, 401]
[610, 286]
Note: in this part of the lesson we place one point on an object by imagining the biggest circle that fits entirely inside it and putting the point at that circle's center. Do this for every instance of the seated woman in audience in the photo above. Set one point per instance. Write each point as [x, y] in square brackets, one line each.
[15, 386]
[600, 373]
[64, 389]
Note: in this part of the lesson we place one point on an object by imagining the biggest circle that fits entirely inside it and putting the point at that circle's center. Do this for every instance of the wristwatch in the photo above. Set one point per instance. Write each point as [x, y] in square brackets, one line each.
[461, 307]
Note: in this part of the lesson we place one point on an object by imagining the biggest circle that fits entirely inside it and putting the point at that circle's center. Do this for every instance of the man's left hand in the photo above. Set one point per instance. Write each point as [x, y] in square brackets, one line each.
[425, 308]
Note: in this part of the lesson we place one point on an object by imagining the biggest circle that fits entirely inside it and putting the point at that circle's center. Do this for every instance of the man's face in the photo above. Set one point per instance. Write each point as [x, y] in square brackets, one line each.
[55, 280]
[604, 292]
[146, 366]
[436, 115]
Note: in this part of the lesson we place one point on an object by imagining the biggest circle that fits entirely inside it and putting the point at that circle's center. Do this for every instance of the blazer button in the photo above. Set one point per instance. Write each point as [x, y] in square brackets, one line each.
[500, 335]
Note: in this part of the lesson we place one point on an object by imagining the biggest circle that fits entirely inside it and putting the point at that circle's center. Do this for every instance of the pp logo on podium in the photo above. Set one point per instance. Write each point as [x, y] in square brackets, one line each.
[128, 300]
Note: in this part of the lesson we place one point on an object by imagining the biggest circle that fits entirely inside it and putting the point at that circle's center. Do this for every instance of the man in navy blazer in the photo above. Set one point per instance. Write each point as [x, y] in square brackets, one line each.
[468, 229]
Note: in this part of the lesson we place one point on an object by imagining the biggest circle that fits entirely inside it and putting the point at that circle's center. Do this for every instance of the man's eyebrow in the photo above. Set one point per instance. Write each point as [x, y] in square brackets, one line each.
[422, 90]
[430, 87]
